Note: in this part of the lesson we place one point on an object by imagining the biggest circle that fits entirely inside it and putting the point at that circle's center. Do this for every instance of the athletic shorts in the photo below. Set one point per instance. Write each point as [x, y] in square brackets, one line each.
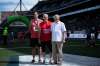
[46, 45]
[34, 42]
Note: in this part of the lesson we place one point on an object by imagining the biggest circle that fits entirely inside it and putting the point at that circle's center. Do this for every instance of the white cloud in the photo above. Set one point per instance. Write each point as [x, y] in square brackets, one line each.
[7, 1]
[9, 5]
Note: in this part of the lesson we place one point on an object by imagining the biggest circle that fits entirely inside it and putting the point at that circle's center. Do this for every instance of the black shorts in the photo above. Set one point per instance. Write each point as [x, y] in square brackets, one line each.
[46, 45]
[34, 42]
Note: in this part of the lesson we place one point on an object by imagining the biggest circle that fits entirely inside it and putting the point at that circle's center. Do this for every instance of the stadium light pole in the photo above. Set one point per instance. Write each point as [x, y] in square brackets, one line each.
[20, 5]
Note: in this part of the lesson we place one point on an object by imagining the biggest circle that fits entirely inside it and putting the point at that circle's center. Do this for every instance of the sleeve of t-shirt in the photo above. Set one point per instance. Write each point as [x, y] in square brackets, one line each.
[41, 21]
[63, 28]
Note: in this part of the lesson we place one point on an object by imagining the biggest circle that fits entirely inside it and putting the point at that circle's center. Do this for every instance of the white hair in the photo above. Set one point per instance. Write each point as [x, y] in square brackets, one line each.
[56, 15]
[45, 15]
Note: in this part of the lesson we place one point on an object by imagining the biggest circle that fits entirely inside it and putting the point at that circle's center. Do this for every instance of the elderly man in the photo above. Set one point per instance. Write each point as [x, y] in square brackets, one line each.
[45, 36]
[58, 31]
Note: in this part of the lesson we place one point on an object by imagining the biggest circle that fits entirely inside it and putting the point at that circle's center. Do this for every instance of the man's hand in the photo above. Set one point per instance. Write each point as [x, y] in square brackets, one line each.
[39, 41]
[63, 41]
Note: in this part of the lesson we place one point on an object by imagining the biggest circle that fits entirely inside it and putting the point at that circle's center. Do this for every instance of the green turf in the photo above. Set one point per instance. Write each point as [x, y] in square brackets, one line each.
[6, 53]
[77, 47]
[82, 50]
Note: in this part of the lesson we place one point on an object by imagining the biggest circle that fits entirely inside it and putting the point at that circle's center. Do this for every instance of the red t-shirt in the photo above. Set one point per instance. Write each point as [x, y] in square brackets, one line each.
[34, 28]
[45, 28]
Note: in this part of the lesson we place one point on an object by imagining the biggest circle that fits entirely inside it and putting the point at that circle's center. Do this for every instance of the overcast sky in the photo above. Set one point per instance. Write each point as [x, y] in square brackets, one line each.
[10, 5]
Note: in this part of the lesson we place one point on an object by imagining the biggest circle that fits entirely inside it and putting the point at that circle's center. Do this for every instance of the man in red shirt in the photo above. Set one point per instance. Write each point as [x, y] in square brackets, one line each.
[45, 36]
[34, 35]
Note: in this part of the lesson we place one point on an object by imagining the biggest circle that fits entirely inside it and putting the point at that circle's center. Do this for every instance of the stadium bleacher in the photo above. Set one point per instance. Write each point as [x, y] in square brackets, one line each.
[46, 6]
[78, 15]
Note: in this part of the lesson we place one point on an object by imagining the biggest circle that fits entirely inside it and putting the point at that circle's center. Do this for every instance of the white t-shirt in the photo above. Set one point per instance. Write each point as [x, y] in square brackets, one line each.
[57, 28]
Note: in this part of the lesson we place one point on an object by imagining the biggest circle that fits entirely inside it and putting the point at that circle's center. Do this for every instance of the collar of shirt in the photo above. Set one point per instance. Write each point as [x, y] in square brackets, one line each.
[36, 19]
[39, 20]
[47, 22]
[58, 22]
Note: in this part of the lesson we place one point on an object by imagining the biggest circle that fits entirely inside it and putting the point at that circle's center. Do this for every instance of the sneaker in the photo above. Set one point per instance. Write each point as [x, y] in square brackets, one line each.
[53, 62]
[43, 62]
[59, 63]
[50, 62]
[40, 61]
[33, 61]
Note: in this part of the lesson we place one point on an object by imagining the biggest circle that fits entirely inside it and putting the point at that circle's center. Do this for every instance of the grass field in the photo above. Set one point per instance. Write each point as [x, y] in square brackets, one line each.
[77, 47]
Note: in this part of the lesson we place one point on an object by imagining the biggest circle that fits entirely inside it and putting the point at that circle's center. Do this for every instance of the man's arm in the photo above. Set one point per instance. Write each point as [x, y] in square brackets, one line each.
[63, 32]
[29, 28]
[63, 36]
[39, 27]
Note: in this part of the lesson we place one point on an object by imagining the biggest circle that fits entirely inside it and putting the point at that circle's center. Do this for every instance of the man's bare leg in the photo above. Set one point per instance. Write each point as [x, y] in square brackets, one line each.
[33, 54]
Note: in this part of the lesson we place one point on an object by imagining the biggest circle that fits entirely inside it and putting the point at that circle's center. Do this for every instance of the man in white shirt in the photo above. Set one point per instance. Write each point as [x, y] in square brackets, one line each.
[58, 31]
